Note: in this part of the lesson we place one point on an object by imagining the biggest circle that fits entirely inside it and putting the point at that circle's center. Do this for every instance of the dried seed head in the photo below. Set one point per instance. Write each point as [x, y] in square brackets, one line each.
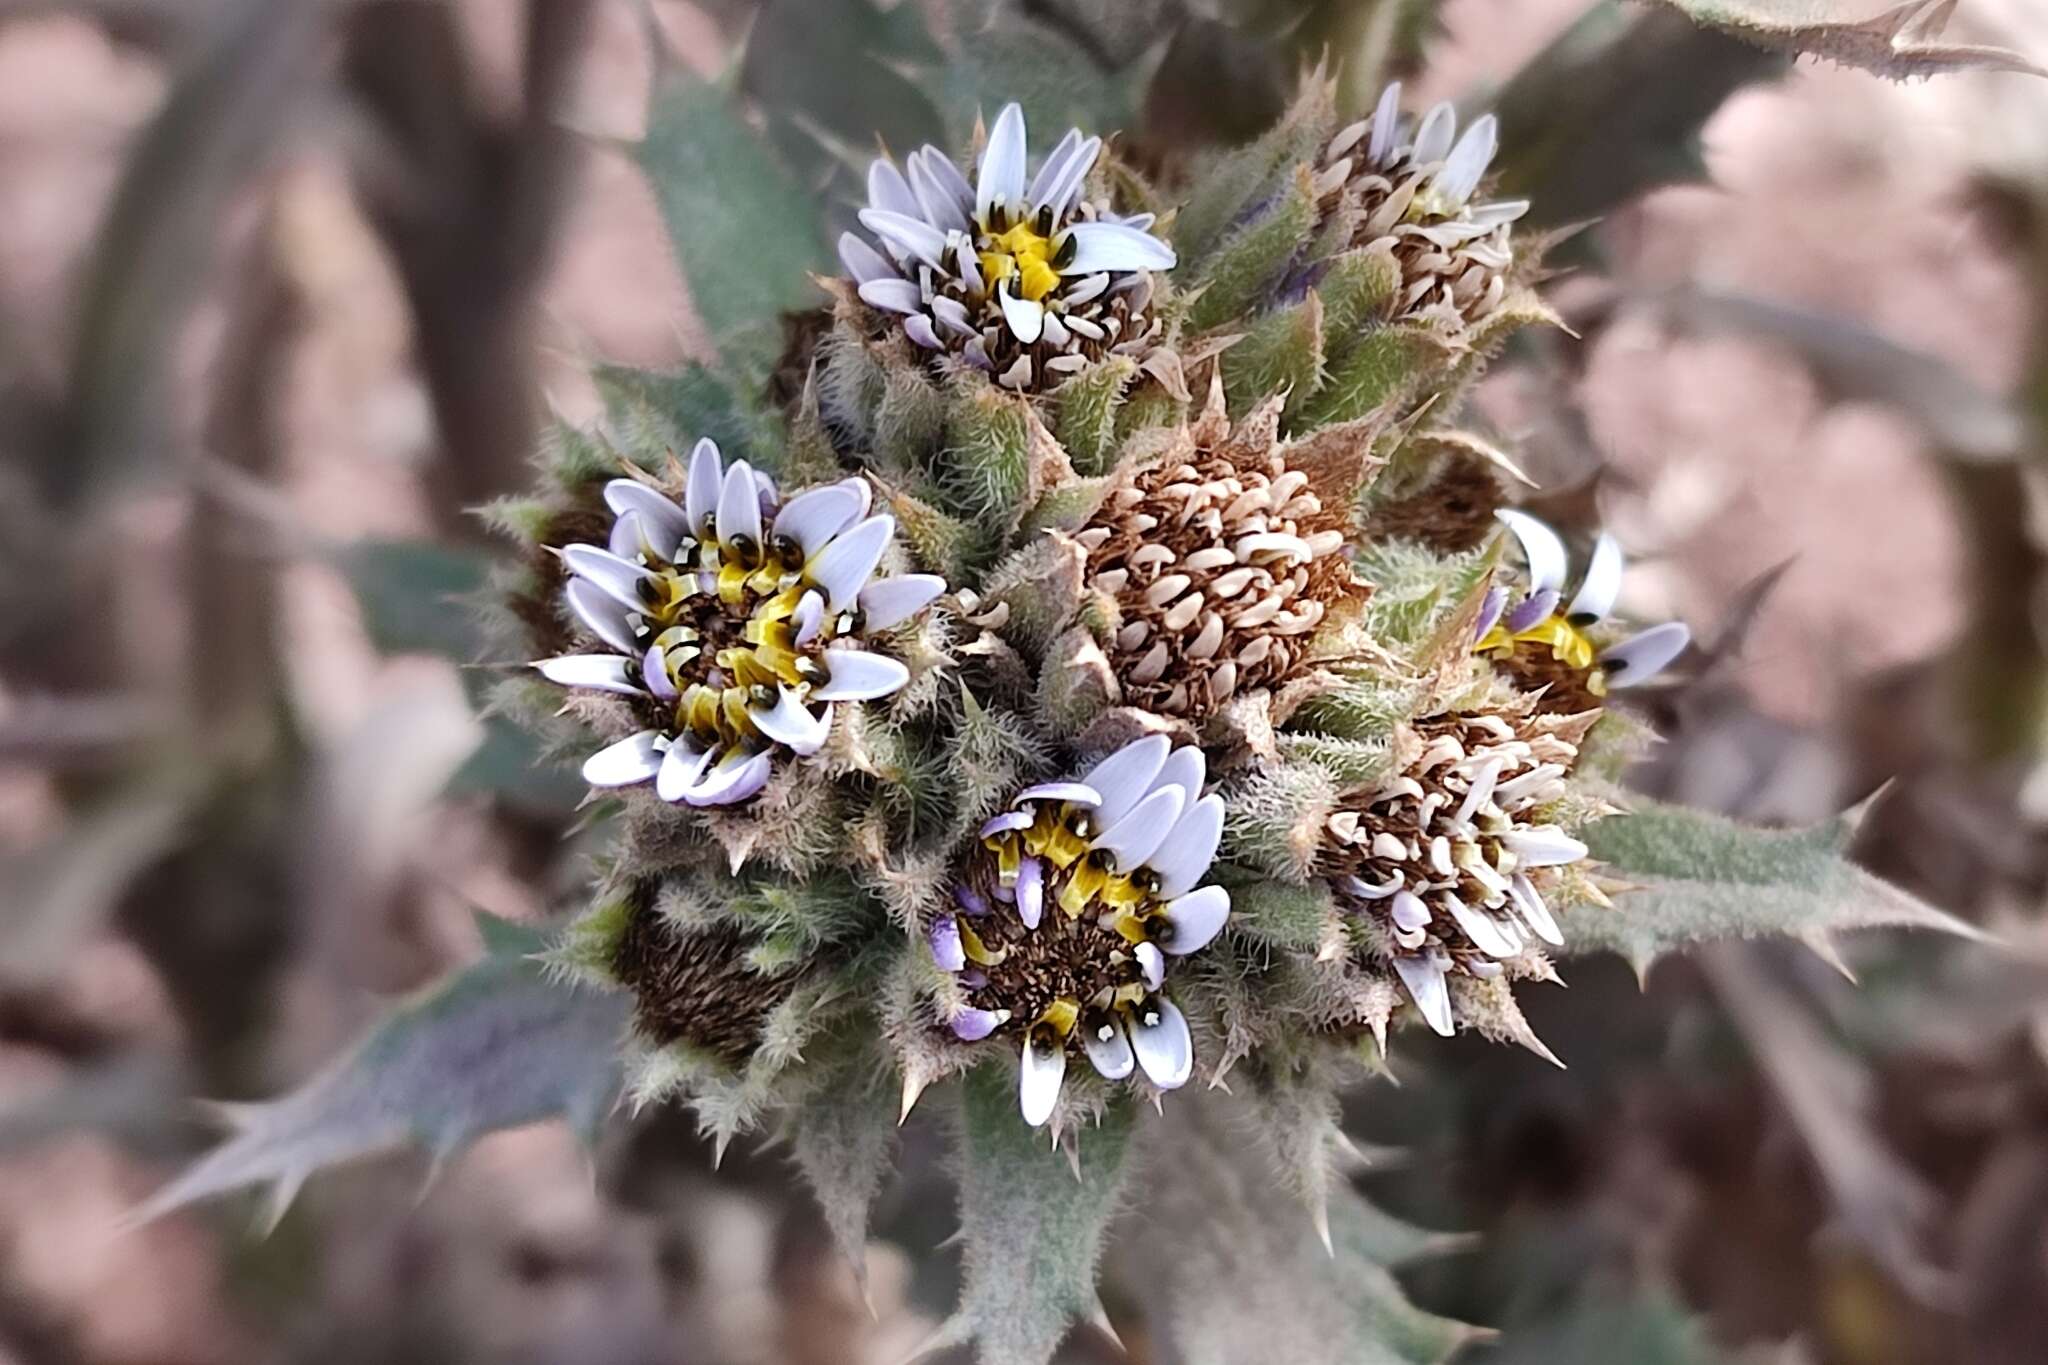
[1445, 865]
[1410, 188]
[1223, 562]
[695, 986]
[1450, 514]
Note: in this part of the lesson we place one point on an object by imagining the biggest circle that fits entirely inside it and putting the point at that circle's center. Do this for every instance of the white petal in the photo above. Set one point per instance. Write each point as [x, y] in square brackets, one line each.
[1528, 902]
[1002, 164]
[700, 495]
[630, 495]
[1488, 935]
[808, 617]
[790, 723]
[843, 566]
[1165, 1049]
[617, 578]
[654, 673]
[603, 672]
[1026, 317]
[633, 759]
[813, 517]
[946, 173]
[1030, 891]
[862, 261]
[1126, 775]
[892, 296]
[1075, 793]
[1600, 586]
[1424, 978]
[1007, 823]
[1541, 548]
[1643, 656]
[1183, 860]
[1499, 211]
[1151, 964]
[1433, 138]
[739, 506]
[1055, 160]
[1409, 911]
[600, 611]
[1543, 846]
[919, 329]
[1196, 918]
[860, 676]
[1386, 119]
[913, 235]
[888, 190]
[681, 768]
[1132, 839]
[1038, 1080]
[1109, 1051]
[885, 602]
[628, 540]
[733, 778]
[1086, 290]
[1185, 768]
[1113, 246]
[934, 195]
[1057, 189]
[1454, 184]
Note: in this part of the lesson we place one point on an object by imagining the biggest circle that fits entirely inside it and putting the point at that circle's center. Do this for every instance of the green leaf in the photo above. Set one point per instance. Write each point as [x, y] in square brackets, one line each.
[496, 1045]
[842, 1132]
[657, 413]
[1031, 1220]
[410, 593]
[1613, 108]
[1884, 36]
[1701, 877]
[1248, 1278]
[1250, 262]
[744, 231]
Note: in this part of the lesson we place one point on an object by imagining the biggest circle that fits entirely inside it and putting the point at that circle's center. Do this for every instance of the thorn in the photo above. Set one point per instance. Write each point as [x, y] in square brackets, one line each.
[1827, 950]
[277, 1201]
[1320, 1216]
[718, 1147]
[913, 1087]
[1098, 1318]
[1853, 818]
[239, 1115]
[952, 1332]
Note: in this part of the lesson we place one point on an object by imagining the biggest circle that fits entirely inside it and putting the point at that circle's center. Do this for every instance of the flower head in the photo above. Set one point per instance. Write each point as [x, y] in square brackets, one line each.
[1028, 280]
[1412, 188]
[739, 620]
[1222, 561]
[1543, 641]
[1444, 866]
[696, 987]
[1069, 911]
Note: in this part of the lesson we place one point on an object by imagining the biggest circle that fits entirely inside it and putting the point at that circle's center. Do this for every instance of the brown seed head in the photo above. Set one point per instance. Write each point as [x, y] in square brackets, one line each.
[696, 986]
[1223, 561]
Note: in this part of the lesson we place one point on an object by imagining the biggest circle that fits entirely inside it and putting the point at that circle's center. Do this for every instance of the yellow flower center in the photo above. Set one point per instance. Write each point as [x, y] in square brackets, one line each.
[1566, 642]
[1021, 253]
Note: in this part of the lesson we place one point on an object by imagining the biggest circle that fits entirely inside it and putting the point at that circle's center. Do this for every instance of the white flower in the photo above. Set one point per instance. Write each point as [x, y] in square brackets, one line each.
[1542, 623]
[1028, 280]
[740, 619]
[1092, 884]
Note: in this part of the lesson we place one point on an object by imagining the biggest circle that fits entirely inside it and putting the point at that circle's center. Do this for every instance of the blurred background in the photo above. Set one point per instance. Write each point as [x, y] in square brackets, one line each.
[287, 287]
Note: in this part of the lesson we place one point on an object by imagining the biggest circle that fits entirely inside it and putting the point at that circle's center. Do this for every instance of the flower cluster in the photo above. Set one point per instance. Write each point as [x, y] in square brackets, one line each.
[739, 620]
[1082, 891]
[1550, 645]
[1443, 866]
[1028, 280]
[1222, 561]
[1410, 189]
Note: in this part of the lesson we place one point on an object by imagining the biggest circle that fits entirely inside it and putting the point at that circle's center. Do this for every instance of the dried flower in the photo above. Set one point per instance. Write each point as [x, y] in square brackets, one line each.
[1223, 561]
[1543, 646]
[1445, 864]
[740, 620]
[697, 986]
[1412, 190]
[1118, 856]
[1029, 282]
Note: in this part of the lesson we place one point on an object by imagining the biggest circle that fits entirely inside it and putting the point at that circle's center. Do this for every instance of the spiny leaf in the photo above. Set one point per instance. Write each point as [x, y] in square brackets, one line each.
[1087, 411]
[656, 414]
[498, 1044]
[1245, 1282]
[1614, 107]
[410, 595]
[1891, 39]
[1282, 352]
[1031, 1221]
[1700, 877]
[1246, 266]
[842, 1129]
[745, 232]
